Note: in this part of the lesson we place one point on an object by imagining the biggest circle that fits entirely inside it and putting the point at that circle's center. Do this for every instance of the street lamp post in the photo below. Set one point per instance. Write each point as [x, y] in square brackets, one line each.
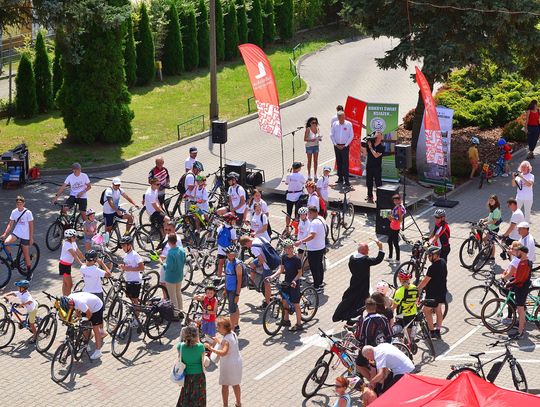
[214, 108]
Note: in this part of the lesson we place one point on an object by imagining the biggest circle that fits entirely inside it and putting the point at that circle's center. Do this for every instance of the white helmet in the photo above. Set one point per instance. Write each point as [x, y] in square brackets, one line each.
[303, 210]
[382, 287]
[70, 233]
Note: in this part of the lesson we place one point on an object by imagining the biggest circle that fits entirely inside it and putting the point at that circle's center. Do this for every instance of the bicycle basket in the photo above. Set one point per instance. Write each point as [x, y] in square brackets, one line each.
[494, 371]
[166, 309]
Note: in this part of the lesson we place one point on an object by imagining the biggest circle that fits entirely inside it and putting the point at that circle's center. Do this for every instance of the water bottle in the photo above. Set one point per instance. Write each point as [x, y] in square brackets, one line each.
[106, 238]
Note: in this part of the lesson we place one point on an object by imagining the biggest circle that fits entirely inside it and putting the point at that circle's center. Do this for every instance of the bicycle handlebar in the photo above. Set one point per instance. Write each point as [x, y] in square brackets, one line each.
[50, 296]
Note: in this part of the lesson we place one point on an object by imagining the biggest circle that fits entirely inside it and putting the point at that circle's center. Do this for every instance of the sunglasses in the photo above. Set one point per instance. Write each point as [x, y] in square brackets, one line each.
[313, 123]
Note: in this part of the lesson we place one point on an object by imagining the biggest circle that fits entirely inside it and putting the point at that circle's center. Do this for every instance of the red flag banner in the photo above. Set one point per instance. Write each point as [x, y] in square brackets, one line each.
[264, 88]
[354, 112]
[434, 146]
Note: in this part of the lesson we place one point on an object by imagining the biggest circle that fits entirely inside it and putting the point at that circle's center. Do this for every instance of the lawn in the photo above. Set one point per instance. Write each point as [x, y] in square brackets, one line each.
[159, 108]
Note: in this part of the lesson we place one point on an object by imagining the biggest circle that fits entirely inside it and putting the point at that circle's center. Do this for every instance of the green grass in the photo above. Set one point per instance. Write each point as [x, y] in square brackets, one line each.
[158, 109]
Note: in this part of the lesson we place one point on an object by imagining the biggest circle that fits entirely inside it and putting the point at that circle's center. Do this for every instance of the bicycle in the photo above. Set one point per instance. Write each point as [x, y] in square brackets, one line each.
[219, 191]
[74, 346]
[273, 316]
[14, 316]
[342, 218]
[486, 251]
[153, 324]
[55, 232]
[48, 326]
[475, 297]
[145, 219]
[417, 264]
[196, 311]
[490, 171]
[518, 375]
[472, 245]
[17, 262]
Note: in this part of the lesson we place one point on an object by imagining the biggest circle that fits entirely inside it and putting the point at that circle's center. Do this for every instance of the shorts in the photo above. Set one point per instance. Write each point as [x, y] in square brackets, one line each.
[97, 317]
[209, 328]
[405, 320]
[521, 294]
[508, 241]
[291, 205]
[233, 307]
[64, 269]
[109, 217]
[312, 149]
[23, 242]
[32, 316]
[438, 298]
[157, 219]
[293, 293]
[82, 202]
[474, 163]
[133, 289]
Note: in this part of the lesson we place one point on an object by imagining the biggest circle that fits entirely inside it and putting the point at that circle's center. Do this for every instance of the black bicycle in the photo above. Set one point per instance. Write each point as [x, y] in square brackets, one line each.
[475, 297]
[417, 263]
[472, 245]
[55, 232]
[171, 212]
[16, 262]
[518, 375]
[342, 218]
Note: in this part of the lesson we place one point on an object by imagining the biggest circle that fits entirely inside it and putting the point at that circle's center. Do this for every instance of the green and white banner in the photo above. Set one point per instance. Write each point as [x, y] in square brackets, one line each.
[384, 117]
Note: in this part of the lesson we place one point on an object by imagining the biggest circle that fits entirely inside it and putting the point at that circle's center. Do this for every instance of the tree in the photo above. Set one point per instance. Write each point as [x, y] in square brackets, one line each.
[58, 76]
[173, 55]
[241, 17]
[220, 35]
[146, 68]
[43, 75]
[451, 37]
[256, 33]
[231, 33]
[25, 98]
[15, 13]
[285, 19]
[189, 35]
[268, 22]
[203, 34]
[130, 55]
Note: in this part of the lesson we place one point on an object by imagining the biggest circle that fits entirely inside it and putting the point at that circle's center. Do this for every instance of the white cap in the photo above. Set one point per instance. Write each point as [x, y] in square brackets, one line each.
[116, 181]
[523, 225]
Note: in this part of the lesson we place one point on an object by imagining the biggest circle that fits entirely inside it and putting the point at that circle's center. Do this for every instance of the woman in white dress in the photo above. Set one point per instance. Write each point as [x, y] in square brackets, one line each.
[230, 364]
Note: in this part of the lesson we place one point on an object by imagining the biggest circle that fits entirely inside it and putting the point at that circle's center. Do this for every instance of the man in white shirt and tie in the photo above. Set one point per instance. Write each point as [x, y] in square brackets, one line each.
[341, 134]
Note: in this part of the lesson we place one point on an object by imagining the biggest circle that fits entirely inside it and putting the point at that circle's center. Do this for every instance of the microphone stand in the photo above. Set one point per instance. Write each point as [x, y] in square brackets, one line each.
[293, 133]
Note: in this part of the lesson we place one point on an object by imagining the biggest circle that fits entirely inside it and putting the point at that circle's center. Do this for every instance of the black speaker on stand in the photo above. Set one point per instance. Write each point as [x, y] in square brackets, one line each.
[219, 131]
[384, 201]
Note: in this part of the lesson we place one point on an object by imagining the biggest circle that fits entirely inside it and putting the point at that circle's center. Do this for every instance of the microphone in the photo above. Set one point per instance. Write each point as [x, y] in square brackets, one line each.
[299, 127]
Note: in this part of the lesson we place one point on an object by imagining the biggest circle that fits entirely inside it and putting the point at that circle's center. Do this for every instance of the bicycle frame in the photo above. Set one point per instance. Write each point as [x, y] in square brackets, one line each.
[510, 298]
[337, 349]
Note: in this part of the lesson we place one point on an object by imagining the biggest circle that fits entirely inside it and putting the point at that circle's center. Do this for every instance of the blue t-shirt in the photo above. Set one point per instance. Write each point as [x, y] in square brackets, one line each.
[291, 266]
[230, 275]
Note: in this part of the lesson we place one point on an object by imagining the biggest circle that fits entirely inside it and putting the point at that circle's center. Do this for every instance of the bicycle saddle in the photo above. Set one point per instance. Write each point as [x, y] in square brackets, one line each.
[477, 354]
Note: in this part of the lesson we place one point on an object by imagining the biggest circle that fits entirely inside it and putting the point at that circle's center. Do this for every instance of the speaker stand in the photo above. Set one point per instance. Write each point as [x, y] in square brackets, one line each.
[221, 161]
[443, 202]
[404, 181]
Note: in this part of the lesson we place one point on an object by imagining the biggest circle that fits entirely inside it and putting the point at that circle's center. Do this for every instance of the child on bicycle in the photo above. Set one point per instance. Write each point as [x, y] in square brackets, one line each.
[89, 229]
[323, 183]
[404, 301]
[26, 300]
[505, 151]
[209, 303]
[201, 198]
[226, 236]
[69, 254]
[474, 157]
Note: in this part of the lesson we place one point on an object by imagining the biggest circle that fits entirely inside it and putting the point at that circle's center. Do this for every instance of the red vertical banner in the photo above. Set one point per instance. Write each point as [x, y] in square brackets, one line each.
[434, 146]
[354, 112]
[264, 88]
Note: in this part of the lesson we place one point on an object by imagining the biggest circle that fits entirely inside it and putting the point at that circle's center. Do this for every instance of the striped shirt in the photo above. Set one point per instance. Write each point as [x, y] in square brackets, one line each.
[163, 176]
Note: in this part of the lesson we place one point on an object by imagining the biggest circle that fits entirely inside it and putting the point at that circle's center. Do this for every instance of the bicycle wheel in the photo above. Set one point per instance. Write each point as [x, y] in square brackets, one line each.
[155, 291]
[121, 338]
[348, 216]
[114, 237]
[144, 240]
[3, 311]
[335, 226]
[498, 315]
[475, 298]
[482, 258]
[154, 233]
[78, 287]
[315, 380]
[7, 332]
[42, 311]
[403, 348]
[154, 278]
[143, 216]
[427, 337]
[222, 301]
[455, 373]
[468, 251]
[62, 362]
[114, 315]
[210, 263]
[46, 333]
[156, 325]
[188, 273]
[20, 261]
[54, 236]
[309, 303]
[518, 377]
[273, 317]
[536, 317]
[408, 267]
[5, 273]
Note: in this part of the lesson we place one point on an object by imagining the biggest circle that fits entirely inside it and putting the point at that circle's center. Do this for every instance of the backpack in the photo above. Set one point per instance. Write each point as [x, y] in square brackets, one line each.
[245, 273]
[322, 208]
[224, 237]
[102, 197]
[181, 187]
[271, 257]
[269, 228]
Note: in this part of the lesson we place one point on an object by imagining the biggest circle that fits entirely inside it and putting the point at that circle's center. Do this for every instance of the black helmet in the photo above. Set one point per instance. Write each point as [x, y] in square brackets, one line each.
[91, 255]
[233, 175]
[197, 165]
[126, 240]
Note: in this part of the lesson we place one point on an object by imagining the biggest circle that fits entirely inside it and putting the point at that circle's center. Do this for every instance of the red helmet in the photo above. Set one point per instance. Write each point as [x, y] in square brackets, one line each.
[229, 216]
[404, 275]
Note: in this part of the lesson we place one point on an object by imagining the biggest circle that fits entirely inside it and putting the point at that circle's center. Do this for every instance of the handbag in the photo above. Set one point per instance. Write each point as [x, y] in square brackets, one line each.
[214, 357]
[178, 374]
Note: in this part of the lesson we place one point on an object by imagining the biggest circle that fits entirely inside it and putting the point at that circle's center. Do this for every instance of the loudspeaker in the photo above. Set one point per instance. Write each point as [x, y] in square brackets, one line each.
[240, 168]
[403, 156]
[384, 201]
[219, 131]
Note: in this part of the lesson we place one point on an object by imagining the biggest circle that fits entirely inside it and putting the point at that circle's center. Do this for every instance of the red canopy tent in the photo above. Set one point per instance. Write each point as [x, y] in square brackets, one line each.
[467, 390]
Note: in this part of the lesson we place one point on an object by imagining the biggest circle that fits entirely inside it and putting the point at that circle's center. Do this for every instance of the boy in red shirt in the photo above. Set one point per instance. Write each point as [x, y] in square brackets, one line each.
[209, 304]
[506, 152]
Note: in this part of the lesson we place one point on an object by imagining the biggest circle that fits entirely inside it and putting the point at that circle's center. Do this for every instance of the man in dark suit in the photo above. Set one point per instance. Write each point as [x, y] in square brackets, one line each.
[354, 297]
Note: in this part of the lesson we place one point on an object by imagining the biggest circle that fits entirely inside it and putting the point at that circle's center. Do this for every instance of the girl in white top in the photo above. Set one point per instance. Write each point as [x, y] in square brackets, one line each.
[69, 254]
[259, 222]
[22, 222]
[303, 227]
[323, 183]
[524, 183]
[201, 196]
[295, 187]
[312, 136]
[313, 199]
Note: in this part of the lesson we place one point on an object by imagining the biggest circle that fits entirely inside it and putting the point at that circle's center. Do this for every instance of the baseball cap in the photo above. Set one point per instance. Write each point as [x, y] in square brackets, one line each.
[116, 181]
[523, 225]
[193, 149]
[75, 166]
[297, 164]
[327, 168]
[523, 249]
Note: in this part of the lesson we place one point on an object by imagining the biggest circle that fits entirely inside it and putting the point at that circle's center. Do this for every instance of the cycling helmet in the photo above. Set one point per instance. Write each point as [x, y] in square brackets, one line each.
[200, 177]
[229, 216]
[90, 212]
[288, 243]
[404, 275]
[382, 287]
[64, 303]
[501, 142]
[327, 168]
[22, 283]
[91, 255]
[126, 240]
[440, 213]
[70, 233]
[303, 210]
[434, 250]
[475, 140]
[230, 249]
[233, 175]
[197, 165]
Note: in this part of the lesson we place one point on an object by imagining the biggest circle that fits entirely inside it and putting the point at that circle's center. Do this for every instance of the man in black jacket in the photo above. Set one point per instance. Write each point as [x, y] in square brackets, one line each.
[354, 297]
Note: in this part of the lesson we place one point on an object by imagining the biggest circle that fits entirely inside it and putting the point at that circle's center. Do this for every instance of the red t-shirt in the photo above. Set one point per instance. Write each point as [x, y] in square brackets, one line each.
[534, 118]
[209, 305]
[507, 152]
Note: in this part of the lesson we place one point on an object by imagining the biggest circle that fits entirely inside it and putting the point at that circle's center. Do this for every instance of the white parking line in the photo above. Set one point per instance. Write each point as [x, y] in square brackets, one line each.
[455, 345]
[488, 352]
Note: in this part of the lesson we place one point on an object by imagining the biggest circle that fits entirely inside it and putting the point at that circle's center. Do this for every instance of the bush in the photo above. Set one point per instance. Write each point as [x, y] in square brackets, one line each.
[241, 17]
[461, 167]
[43, 76]
[57, 75]
[308, 13]
[189, 37]
[203, 34]
[173, 57]
[220, 34]
[256, 31]
[231, 33]
[513, 131]
[25, 98]
[130, 55]
[409, 119]
[285, 19]
[146, 68]
[269, 28]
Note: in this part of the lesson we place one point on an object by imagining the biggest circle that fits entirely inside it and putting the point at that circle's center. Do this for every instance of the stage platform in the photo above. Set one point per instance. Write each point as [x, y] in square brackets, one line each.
[415, 193]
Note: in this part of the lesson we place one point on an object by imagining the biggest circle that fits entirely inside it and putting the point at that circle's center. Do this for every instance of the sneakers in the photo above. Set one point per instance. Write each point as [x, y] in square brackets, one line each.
[319, 290]
[296, 328]
[96, 355]
[434, 334]
[516, 335]
[504, 175]
[507, 321]
[285, 323]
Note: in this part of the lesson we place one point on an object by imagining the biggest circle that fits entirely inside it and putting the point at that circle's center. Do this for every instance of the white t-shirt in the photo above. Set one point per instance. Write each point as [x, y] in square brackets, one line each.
[389, 357]
[202, 194]
[528, 242]
[303, 228]
[25, 297]
[517, 217]
[313, 200]
[188, 164]
[150, 197]
[236, 192]
[317, 226]
[257, 222]
[525, 192]
[264, 206]
[233, 237]
[257, 251]
[295, 186]
[189, 181]
[515, 262]
[86, 301]
[167, 246]
[77, 184]
[323, 183]
[92, 276]
[65, 255]
[115, 195]
[132, 259]
[22, 228]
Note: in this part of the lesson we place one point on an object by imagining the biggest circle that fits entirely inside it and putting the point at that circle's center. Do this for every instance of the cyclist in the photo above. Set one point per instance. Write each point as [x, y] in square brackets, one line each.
[323, 183]
[291, 266]
[237, 197]
[233, 285]
[26, 300]
[70, 253]
[474, 158]
[111, 207]
[295, 186]
[259, 222]
[226, 237]
[190, 184]
[511, 234]
[440, 236]
[527, 240]
[201, 198]
[162, 174]
[90, 226]
[21, 224]
[188, 163]
[79, 184]
[169, 231]
[494, 219]
[404, 300]
[209, 303]
[303, 228]
[153, 207]
[92, 274]
[435, 285]
[132, 268]
[313, 199]
[92, 307]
